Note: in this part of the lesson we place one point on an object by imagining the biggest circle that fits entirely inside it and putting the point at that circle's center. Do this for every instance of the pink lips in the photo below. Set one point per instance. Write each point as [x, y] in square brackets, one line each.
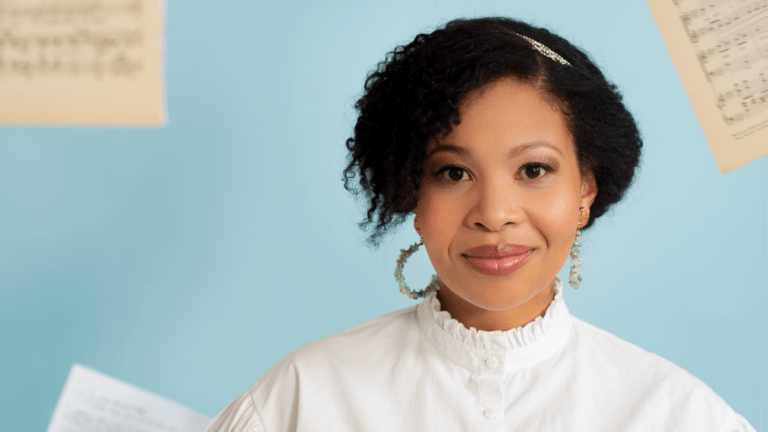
[498, 259]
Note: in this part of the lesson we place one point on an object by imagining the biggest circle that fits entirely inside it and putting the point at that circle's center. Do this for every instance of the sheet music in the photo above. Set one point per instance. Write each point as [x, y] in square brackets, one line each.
[720, 50]
[89, 62]
[92, 401]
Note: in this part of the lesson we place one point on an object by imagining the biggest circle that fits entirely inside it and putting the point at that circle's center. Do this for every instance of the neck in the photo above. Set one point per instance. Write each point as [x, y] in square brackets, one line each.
[471, 315]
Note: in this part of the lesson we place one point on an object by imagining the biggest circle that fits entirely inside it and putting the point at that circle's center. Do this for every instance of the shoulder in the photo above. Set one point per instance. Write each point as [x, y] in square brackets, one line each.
[649, 384]
[632, 365]
[368, 338]
[374, 338]
[344, 363]
[239, 416]
[618, 353]
[318, 373]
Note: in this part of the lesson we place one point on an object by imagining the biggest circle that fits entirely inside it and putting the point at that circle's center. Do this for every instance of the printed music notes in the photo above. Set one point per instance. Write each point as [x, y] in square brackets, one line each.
[720, 50]
[82, 62]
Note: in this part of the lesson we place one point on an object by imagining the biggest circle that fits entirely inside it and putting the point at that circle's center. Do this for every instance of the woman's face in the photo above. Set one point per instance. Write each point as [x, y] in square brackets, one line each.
[508, 173]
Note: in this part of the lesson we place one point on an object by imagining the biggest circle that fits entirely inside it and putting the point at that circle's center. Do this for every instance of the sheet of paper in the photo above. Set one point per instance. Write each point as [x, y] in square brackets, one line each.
[82, 62]
[720, 51]
[92, 401]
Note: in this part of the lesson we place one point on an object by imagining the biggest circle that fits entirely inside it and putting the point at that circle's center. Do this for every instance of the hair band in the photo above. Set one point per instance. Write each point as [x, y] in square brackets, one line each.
[540, 47]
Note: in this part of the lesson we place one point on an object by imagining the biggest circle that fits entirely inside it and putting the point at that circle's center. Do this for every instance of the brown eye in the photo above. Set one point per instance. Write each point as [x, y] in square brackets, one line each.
[454, 173]
[534, 171]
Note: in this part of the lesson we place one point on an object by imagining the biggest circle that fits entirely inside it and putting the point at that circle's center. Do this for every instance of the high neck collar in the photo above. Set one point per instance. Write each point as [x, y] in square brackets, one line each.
[497, 352]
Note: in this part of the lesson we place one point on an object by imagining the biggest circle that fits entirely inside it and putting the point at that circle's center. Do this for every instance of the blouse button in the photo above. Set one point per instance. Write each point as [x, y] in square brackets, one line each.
[491, 362]
[489, 413]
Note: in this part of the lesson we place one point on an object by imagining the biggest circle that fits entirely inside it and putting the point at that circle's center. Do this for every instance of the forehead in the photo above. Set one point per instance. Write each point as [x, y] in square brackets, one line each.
[505, 114]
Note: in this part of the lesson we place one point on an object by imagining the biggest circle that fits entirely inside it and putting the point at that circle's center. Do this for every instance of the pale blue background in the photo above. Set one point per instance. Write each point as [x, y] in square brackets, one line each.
[164, 257]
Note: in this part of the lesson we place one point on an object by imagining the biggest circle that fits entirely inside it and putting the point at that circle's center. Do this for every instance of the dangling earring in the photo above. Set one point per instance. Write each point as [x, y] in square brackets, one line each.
[404, 255]
[574, 278]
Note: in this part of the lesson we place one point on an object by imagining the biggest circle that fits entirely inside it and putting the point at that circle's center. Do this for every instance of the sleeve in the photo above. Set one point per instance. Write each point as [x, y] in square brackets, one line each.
[740, 424]
[238, 416]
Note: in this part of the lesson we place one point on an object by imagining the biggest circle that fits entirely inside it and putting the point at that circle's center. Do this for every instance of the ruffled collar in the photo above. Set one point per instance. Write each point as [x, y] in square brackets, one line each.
[497, 351]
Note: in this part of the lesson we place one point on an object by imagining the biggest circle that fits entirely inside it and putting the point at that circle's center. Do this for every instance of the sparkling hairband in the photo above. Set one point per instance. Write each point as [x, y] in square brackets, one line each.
[544, 50]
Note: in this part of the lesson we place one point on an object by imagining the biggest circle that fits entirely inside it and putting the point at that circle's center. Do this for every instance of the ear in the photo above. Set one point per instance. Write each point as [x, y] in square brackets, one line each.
[588, 190]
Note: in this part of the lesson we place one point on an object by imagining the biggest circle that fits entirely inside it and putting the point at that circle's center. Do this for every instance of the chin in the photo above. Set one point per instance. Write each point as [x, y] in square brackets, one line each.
[498, 295]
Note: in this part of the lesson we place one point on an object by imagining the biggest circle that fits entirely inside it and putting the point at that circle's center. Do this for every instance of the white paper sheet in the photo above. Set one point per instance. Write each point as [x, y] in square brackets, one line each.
[94, 402]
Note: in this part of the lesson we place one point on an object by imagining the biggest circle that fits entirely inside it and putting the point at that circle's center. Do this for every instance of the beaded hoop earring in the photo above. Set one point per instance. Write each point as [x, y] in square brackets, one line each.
[574, 277]
[404, 255]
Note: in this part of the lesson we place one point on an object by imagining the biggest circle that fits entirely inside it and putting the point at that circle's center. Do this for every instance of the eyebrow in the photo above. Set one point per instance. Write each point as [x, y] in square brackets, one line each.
[514, 152]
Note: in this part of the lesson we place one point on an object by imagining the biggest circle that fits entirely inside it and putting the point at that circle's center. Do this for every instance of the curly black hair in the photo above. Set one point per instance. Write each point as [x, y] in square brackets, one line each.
[414, 95]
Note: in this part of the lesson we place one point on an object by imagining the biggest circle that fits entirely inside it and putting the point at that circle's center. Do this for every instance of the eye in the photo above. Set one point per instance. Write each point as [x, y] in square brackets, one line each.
[534, 170]
[453, 173]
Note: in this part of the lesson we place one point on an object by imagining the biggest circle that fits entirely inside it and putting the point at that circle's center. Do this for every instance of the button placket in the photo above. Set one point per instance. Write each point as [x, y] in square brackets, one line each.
[490, 394]
[489, 413]
[491, 362]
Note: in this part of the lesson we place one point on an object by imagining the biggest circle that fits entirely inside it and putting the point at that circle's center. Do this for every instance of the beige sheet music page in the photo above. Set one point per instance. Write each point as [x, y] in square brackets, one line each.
[720, 50]
[82, 62]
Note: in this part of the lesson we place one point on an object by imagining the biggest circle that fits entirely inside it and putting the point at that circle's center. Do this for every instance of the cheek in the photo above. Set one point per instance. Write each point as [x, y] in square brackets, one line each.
[557, 217]
[434, 216]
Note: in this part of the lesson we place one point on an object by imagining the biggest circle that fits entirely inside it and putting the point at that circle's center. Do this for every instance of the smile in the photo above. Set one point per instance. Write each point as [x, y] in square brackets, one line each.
[498, 266]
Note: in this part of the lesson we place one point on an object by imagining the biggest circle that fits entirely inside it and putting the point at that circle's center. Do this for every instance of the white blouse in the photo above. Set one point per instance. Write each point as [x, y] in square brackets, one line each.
[418, 369]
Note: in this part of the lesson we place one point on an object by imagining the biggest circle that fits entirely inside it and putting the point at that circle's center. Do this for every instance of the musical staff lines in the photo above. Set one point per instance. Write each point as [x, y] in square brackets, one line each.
[731, 37]
[100, 39]
[66, 12]
[720, 51]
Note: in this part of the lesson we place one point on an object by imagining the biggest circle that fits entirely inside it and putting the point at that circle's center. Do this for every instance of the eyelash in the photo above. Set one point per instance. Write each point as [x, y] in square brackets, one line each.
[546, 168]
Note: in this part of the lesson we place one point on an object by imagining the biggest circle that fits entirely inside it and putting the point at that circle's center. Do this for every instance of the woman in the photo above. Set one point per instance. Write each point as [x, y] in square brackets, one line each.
[504, 141]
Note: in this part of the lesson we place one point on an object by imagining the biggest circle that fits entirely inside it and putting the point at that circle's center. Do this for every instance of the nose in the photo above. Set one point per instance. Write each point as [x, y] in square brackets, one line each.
[496, 206]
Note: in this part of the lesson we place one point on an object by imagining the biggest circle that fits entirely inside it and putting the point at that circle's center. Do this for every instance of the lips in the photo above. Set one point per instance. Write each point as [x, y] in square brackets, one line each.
[498, 259]
[497, 250]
